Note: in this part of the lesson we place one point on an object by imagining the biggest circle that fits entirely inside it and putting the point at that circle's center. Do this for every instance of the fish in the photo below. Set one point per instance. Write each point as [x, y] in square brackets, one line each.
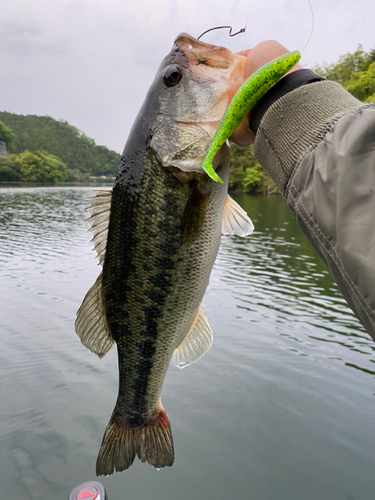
[157, 234]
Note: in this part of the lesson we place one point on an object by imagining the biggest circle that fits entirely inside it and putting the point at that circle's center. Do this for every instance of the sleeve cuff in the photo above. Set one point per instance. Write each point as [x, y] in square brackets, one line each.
[288, 83]
[297, 121]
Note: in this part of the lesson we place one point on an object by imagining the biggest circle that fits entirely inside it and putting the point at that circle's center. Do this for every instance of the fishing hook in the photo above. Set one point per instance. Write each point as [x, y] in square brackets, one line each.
[242, 30]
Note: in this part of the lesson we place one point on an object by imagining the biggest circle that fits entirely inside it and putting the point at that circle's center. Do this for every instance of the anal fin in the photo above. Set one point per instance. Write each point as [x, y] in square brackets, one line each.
[235, 219]
[196, 343]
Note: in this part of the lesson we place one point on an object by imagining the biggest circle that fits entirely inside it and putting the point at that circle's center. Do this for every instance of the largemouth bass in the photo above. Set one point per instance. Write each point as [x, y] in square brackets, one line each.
[157, 235]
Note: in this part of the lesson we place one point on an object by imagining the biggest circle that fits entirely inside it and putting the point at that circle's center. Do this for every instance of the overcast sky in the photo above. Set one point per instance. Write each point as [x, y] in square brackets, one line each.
[90, 62]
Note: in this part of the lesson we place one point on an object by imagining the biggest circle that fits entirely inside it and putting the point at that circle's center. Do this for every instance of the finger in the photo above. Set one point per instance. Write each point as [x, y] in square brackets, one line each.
[243, 136]
[263, 53]
[244, 52]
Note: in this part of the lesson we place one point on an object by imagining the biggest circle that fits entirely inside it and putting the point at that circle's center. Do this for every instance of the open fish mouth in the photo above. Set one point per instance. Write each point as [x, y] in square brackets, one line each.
[209, 63]
[201, 53]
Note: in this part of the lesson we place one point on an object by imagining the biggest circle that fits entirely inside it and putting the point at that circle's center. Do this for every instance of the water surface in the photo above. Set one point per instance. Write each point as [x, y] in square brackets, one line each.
[282, 406]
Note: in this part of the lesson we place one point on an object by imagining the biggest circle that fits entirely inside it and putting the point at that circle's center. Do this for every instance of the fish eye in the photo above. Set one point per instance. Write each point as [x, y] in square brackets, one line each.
[172, 76]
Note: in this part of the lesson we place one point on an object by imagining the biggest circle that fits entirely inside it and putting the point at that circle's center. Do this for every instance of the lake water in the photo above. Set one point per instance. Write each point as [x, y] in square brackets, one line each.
[281, 407]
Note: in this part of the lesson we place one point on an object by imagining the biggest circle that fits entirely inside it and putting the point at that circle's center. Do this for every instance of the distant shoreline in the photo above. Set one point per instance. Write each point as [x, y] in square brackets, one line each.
[91, 182]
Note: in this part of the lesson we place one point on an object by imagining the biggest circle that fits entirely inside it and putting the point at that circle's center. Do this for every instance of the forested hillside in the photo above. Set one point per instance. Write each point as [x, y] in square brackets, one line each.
[80, 155]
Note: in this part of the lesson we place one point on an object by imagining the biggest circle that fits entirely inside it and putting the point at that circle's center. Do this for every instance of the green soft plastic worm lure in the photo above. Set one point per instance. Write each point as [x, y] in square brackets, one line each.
[245, 98]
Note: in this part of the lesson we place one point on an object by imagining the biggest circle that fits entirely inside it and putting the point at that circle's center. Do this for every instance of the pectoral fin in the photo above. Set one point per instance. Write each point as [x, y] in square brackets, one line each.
[235, 220]
[196, 343]
[194, 215]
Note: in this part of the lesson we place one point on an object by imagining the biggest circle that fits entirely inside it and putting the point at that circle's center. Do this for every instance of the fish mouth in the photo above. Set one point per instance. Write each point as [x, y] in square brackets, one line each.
[212, 63]
[201, 53]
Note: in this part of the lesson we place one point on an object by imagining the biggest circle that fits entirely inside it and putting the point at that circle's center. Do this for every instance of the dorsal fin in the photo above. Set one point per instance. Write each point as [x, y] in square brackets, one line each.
[196, 343]
[100, 208]
[235, 220]
[91, 323]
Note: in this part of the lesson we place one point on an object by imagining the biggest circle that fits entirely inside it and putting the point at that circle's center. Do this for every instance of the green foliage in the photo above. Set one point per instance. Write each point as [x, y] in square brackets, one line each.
[245, 173]
[370, 99]
[36, 166]
[7, 174]
[355, 72]
[76, 150]
[362, 84]
[252, 179]
[7, 136]
[342, 71]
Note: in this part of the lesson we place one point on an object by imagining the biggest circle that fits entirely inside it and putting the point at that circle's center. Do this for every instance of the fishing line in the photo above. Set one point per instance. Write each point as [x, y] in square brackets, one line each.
[312, 26]
[243, 30]
[244, 48]
[244, 38]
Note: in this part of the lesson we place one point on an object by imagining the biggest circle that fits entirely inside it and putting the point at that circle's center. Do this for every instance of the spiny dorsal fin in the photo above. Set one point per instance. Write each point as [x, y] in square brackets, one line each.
[196, 343]
[235, 220]
[91, 324]
[100, 209]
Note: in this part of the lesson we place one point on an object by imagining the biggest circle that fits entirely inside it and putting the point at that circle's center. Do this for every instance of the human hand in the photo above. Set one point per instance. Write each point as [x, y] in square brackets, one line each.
[257, 57]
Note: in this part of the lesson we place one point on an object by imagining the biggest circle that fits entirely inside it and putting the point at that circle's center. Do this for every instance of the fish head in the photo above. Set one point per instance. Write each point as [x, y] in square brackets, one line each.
[191, 91]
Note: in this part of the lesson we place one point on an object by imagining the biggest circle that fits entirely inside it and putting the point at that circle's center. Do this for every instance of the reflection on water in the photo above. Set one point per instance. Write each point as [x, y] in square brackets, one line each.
[281, 407]
[289, 279]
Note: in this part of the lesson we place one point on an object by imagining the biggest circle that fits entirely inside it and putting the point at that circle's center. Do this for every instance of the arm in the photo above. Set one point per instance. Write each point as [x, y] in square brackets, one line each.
[317, 143]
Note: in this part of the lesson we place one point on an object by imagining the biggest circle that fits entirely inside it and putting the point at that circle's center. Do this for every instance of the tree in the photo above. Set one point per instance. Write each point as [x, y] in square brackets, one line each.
[7, 136]
[245, 173]
[36, 166]
[362, 84]
[342, 71]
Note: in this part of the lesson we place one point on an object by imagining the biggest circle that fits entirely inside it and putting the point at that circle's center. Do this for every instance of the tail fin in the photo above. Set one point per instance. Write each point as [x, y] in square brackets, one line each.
[152, 442]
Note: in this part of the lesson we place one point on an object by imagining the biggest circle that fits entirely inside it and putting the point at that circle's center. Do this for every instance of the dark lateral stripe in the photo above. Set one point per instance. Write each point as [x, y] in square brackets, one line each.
[159, 286]
[139, 269]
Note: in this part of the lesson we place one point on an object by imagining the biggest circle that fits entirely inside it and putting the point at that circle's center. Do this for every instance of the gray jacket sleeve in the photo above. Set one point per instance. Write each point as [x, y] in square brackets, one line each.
[318, 145]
